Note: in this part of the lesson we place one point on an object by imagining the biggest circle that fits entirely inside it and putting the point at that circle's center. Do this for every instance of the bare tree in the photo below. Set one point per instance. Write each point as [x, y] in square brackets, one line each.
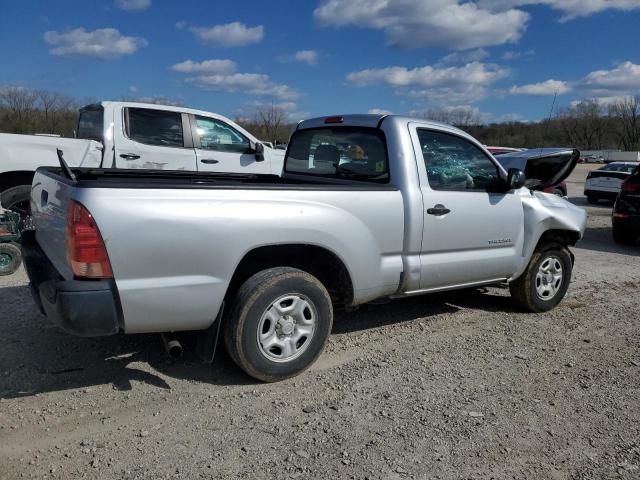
[458, 116]
[20, 104]
[271, 118]
[627, 112]
[48, 103]
[583, 124]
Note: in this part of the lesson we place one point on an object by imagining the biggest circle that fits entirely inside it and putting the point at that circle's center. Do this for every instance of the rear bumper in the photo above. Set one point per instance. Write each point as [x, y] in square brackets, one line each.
[86, 308]
[601, 194]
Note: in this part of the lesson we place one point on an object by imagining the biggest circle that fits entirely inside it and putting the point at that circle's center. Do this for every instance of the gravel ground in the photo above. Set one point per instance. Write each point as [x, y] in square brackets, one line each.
[456, 385]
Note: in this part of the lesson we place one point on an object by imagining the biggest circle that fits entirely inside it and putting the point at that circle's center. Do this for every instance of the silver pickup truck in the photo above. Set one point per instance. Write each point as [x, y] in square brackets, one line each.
[368, 207]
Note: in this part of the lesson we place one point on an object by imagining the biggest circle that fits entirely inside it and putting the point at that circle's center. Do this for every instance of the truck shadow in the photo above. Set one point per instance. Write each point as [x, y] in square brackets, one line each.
[37, 357]
[600, 239]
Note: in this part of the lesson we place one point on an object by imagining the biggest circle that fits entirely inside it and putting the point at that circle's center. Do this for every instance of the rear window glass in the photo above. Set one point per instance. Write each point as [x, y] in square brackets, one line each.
[155, 127]
[91, 124]
[339, 152]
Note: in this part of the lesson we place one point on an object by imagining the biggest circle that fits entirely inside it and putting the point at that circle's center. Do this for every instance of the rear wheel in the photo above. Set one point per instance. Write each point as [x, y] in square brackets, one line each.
[559, 192]
[279, 323]
[10, 258]
[545, 281]
[622, 236]
[18, 199]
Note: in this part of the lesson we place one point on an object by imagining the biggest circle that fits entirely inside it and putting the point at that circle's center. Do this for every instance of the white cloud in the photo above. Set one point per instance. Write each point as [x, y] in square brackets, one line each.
[180, 25]
[309, 57]
[602, 101]
[221, 76]
[548, 87]
[158, 100]
[211, 67]
[104, 43]
[465, 57]
[248, 111]
[133, 5]
[415, 23]
[437, 84]
[379, 111]
[570, 8]
[250, 83]
[133, 88]
[512, 55]
[233, 34]
[623, 78]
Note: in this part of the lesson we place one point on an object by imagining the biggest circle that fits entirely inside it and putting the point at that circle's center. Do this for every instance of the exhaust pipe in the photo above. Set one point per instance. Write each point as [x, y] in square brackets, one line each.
[172, 345]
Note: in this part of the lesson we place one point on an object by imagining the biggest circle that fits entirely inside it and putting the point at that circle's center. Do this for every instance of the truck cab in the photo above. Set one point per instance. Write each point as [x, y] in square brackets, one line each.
[160, 137]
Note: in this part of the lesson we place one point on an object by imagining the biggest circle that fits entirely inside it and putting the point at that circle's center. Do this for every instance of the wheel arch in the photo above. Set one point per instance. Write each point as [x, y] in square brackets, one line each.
[15, 178]
[320, 262]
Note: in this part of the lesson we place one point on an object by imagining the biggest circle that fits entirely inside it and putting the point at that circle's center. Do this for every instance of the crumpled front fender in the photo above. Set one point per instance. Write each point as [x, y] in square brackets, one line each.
[544, 212]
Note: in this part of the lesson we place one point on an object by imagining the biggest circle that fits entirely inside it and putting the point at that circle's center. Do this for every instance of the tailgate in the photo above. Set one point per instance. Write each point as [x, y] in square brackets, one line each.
[50, 197]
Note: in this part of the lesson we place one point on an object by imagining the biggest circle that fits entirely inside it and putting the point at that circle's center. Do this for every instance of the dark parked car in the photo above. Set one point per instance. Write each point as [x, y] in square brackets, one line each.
[626, 211]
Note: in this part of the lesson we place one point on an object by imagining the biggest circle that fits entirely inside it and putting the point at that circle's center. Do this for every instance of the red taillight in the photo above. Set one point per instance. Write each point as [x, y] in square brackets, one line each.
[333, 120]
[628, 187]
[86, 252]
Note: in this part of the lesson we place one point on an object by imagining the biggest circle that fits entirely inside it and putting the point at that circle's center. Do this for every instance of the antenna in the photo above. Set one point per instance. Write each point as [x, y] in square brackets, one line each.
[546, 127]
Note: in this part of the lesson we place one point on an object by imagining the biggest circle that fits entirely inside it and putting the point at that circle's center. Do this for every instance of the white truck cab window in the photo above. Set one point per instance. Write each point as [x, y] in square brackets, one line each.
[217, 135]
[155, 127]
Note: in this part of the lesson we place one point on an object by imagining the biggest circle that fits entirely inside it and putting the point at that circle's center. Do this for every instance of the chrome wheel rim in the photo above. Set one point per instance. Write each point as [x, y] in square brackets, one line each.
[286, 328]
[5, 262]
[549, 278]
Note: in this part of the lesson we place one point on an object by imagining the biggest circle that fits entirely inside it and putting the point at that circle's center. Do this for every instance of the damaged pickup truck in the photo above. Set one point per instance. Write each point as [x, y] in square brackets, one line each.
[368, 207]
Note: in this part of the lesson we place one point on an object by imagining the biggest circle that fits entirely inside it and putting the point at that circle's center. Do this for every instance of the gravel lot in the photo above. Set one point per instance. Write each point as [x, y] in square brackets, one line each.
[456, 385]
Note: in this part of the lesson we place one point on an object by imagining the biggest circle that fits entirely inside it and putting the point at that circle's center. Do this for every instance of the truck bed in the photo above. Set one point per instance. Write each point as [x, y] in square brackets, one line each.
[138, 178]
[175, 239]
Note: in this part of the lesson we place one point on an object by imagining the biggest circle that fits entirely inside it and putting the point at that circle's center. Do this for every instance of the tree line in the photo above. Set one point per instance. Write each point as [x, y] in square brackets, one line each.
[587, 125]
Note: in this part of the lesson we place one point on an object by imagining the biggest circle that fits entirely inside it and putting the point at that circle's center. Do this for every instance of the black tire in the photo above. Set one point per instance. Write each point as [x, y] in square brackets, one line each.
[18, 199]
[622, 236]
[592, 199]
[524, 288]
[559, 192]
[259, 294]
[10, 258]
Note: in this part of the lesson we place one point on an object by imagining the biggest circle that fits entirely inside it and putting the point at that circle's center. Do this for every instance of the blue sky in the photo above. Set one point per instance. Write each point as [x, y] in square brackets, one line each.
[505, 58]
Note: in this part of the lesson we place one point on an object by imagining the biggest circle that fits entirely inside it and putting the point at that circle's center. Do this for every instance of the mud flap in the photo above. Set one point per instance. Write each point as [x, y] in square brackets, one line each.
[208, 339]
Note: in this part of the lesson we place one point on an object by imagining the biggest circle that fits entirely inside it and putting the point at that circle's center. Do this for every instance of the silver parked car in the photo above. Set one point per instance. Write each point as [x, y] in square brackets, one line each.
[368, 207]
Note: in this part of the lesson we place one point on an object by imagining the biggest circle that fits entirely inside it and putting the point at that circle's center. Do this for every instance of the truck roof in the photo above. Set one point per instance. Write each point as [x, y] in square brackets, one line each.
[374, 120]
[156, 106]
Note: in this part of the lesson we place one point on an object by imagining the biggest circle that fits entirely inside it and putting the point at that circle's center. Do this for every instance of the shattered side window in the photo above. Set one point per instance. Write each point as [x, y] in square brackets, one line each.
[455, 164]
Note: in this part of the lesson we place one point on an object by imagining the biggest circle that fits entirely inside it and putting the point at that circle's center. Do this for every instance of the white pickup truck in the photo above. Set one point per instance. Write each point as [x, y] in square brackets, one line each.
[135, 135]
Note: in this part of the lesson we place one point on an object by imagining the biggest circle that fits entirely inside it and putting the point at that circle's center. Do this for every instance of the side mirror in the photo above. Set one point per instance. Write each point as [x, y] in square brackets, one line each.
[259, 152]
[515, 179]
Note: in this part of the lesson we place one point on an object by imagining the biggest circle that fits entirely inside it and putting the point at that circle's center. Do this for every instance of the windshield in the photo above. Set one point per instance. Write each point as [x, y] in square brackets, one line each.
[618, 168]
[356, 153]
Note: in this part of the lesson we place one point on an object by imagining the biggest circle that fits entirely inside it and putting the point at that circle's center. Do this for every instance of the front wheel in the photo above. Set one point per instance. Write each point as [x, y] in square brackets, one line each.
[545, 281]
[279, 323]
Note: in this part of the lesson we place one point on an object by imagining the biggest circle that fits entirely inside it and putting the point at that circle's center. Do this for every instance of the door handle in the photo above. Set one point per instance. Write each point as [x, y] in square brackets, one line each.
[129, 156]
[209, 160]
[438, 210]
